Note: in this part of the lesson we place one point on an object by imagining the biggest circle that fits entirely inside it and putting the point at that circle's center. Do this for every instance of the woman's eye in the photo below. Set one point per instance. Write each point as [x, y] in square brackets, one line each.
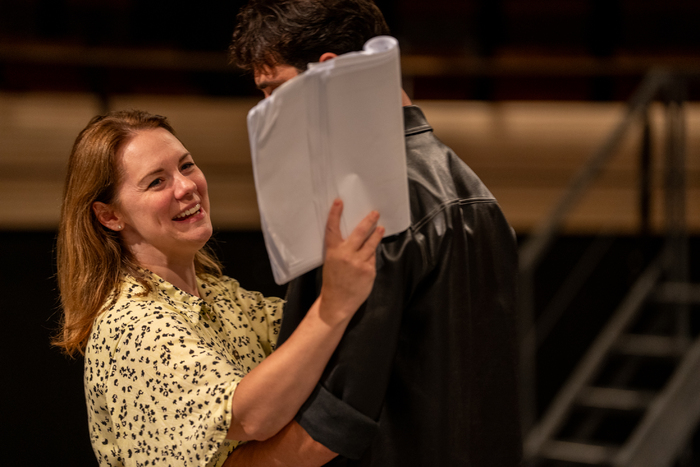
[187, 165]
[155, 183]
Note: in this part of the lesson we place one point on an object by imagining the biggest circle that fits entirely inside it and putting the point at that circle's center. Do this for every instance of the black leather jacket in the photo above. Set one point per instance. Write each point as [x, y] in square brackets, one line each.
[425, 374]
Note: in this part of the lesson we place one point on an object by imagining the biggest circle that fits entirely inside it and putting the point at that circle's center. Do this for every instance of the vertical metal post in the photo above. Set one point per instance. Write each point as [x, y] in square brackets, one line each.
[528, 349]
[645, 179]
[677, 263]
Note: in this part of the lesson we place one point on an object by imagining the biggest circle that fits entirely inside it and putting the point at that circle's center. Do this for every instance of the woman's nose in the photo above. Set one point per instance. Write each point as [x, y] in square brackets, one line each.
[184, 186]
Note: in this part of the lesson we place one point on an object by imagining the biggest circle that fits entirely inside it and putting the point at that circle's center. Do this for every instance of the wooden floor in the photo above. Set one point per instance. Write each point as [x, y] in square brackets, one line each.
[526, 153]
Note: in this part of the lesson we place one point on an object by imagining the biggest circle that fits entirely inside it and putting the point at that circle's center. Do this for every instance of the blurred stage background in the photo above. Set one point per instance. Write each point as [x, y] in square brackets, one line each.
[525, 91]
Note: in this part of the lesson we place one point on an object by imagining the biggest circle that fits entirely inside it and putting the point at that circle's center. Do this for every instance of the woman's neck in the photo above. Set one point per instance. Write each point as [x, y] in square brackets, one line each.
[184, 279]
[179, 272]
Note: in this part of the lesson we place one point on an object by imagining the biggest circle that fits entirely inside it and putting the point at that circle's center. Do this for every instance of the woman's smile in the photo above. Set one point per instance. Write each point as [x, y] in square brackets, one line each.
[189, 213]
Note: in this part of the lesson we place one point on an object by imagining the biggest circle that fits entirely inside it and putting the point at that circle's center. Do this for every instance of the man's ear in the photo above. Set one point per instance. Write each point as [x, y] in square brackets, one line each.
[107, 216]
[327, 56]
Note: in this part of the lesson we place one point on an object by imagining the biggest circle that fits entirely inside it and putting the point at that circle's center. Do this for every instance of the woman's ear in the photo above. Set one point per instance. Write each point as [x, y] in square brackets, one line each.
[107, 216]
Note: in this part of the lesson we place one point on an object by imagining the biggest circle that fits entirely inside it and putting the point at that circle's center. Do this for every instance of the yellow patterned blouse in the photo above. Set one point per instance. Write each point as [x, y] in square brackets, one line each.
[161, 369]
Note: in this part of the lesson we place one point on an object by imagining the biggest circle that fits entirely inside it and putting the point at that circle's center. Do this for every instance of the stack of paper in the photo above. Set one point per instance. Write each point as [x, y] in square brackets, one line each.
[335, 130]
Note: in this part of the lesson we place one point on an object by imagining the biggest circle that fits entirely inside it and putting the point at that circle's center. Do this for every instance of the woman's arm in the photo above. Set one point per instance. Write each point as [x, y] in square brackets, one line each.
[291, 447]
[268, 398]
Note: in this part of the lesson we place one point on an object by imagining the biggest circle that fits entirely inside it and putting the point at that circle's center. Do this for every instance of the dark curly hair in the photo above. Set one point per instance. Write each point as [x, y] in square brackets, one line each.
[298, 32]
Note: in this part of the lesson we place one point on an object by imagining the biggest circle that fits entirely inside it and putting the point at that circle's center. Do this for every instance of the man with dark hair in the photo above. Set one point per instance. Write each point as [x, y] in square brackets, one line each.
[425, 374]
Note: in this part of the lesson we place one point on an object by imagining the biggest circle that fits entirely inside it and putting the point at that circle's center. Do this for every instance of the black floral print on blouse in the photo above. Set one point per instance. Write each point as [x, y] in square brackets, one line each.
[161, 369]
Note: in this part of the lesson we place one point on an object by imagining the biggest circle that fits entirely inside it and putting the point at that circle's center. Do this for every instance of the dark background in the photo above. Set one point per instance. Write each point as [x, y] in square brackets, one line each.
[590, 50]
[499, 49]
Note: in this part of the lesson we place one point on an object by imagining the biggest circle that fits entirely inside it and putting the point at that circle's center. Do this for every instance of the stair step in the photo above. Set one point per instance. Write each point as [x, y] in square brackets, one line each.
[677, 292]
[568, 451]
[614, 398]
[651, 346]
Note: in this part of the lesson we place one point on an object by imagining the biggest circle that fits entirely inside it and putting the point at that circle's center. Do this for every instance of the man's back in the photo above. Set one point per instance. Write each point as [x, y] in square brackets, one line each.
[425, 374]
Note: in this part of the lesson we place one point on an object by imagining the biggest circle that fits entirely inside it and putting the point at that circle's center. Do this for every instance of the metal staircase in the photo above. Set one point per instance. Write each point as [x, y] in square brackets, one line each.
[663, 419]
[607, 413]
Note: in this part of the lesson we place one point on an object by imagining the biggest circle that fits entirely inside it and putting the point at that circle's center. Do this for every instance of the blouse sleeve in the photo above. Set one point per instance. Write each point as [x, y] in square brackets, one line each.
[264, 313]
[170, 394]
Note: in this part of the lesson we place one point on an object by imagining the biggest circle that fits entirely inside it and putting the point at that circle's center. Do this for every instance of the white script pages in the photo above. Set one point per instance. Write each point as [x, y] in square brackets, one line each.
[335, 130]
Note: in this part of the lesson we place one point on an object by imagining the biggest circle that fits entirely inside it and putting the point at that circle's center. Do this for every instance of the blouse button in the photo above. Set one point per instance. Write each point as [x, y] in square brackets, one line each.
[235, 354]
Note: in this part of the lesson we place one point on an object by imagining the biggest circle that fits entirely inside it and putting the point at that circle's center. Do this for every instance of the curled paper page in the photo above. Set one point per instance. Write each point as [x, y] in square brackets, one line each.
[335, 130]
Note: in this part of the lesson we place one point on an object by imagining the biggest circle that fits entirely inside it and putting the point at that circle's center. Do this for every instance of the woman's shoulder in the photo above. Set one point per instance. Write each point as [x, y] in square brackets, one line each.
[138, 318]
[130, 304]
[229, 288]
[219, 283]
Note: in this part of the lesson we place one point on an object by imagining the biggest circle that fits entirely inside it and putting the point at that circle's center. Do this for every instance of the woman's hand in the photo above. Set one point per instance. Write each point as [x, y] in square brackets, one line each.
[269, 397]
[349, 267]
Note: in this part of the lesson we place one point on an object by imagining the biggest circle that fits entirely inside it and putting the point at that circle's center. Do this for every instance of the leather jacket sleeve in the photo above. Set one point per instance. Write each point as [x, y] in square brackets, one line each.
[342, 412]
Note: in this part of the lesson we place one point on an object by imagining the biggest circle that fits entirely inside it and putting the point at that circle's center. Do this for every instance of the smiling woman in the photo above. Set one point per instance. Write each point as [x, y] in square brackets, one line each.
[179, 361]
[162, 205]
[93, 257]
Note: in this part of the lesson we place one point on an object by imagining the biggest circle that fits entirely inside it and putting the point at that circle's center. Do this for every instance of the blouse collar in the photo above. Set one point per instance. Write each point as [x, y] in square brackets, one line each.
[191, 306]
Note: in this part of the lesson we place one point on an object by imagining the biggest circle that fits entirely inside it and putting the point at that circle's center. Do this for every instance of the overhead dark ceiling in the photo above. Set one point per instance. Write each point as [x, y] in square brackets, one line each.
[452, 49]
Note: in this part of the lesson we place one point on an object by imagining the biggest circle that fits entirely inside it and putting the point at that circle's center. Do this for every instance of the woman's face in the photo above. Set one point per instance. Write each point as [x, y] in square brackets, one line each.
[162, 198]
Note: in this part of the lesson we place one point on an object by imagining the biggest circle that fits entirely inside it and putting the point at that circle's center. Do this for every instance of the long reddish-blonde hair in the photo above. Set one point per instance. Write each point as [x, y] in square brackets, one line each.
[91, 259]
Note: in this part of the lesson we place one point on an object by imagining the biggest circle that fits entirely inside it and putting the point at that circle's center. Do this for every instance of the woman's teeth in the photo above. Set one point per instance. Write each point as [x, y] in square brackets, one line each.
[188, 213]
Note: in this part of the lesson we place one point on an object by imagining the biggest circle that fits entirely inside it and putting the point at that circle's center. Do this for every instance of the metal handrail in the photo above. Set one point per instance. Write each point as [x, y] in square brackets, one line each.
[536, 245]
[533, 250]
